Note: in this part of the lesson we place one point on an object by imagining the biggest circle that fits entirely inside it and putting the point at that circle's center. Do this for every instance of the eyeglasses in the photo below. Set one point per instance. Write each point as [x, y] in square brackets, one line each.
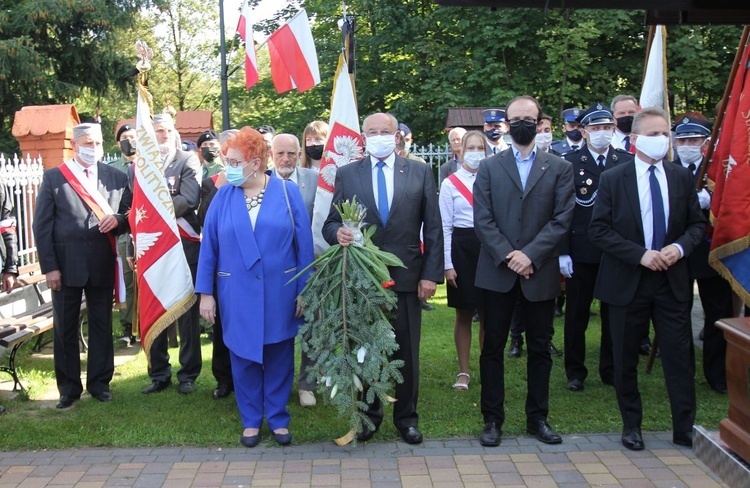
[234, 163]
[527, 122]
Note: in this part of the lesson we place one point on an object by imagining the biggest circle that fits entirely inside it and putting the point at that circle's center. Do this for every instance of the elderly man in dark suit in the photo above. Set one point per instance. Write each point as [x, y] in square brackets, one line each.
[401, 199]
[285, 153]
[79, 212]
[523, 206]
[455, 136]
[182, 170]
[646, 220]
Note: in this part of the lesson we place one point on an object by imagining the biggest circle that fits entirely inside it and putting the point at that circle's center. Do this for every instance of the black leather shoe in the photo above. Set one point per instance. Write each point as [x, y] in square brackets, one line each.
[366, 434]
[426, 306]
[720, 389]
[701, 334]
[411, 435]
[575, 385]
[543, 432]
[632, 439]
[515, 350]
[186, 387]
[553, 351]
[645, 349]
[66, 401]
[683, 439]
[104, 396]
[490, 435]
[156, 386]
[283, 439]
[222, 391]
[250, 440]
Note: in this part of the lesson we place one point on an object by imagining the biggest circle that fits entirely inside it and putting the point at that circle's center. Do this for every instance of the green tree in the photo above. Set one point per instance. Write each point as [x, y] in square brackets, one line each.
[50, 50]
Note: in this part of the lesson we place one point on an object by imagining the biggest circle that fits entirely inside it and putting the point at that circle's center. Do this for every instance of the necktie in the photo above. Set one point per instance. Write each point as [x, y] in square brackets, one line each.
[574, 148]
[87, 174]
[657, 211]
[691, 167]
[627, 143]
[600, 160]
[382, 194]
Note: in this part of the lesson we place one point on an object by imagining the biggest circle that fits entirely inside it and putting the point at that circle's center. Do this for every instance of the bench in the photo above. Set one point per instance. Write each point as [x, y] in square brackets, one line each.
[16, 330]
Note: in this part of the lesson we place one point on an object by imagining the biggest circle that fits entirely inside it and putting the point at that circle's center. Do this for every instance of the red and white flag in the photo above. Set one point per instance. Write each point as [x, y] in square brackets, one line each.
[245, 30]
[344, 145]
[654, 89]
[165, 285]
[294, 60]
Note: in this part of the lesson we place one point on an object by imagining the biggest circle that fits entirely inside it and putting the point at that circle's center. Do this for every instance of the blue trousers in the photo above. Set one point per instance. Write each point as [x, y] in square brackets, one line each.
[264, 388]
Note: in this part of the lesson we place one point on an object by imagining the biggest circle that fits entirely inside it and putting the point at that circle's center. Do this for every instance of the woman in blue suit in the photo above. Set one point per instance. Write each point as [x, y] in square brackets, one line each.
[255, 237]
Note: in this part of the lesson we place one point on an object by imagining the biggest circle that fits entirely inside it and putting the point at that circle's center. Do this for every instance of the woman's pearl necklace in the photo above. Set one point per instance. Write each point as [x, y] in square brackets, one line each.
[253, 202]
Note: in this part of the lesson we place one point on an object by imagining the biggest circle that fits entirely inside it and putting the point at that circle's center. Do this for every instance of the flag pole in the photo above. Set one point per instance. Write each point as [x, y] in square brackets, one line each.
[651, 33]
[701, 181]
[224, 75]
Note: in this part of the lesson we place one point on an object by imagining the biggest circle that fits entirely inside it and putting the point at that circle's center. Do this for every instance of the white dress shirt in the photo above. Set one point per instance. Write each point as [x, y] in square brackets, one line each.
[93, 173]
[642, 174]
[455, 210]
[292, 177]
[390, 162]
[618, 140]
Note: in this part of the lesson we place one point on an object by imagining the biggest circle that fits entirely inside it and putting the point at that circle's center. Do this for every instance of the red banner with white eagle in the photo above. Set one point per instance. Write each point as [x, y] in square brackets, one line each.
[164, 283]
[343, 146]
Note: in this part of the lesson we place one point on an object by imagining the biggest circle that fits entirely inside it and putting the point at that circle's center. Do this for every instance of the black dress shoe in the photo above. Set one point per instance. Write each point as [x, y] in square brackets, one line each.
[186, 387]
[632, 439]
[515, 350]
[701, 334]
[411, 435]
[490, 435]
[104, 396]
[283, 439]
[721, 389]
[156, 386]
[66, 401]
[426, 306]
[553, 351]
[575, 385]
[645, 349]
[250, 440]
[543, 432]
[683, 439]
[222, 391]
[366, 434]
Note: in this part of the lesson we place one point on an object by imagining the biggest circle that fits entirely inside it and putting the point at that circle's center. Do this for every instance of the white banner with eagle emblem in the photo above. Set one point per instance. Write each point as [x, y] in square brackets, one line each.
[343, 146]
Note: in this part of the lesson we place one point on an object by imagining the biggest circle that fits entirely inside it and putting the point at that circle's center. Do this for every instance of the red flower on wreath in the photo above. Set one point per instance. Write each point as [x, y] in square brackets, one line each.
[387, 284]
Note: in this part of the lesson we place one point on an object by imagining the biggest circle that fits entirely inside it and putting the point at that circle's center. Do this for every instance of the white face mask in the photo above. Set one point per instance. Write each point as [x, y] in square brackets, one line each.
[166, 149]
[472, 159]
[407, 147]
[381, 146]
[543, 140]
[655, 147]
[690, 154]
[601, 139]
[90, 156]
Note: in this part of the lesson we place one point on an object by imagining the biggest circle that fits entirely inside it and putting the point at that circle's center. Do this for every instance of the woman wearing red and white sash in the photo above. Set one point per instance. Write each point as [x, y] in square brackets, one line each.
[75, 226]
[462, 250]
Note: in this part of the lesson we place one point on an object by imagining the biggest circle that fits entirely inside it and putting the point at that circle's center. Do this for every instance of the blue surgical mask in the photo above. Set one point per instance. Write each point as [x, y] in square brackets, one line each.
[235, 176]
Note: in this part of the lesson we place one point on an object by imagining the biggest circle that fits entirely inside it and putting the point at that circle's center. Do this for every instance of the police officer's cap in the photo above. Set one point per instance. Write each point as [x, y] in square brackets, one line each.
[493, 115]
[689, 126]
[596, 114]
[571, 114]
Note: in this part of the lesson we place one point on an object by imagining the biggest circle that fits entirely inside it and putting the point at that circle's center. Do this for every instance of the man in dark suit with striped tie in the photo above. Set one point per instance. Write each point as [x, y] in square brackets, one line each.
[647, 220]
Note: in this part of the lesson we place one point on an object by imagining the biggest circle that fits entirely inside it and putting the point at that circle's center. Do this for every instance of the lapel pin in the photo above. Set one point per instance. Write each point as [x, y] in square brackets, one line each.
[401, 171]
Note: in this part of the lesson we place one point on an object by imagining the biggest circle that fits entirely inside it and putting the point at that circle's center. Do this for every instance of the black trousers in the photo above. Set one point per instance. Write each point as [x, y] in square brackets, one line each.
[654, 301]
[716, 299]
[580, 293]
[498, 312]
[66, 305]
[188, 326]
[408, 329]
[518, 324]
[221, 364]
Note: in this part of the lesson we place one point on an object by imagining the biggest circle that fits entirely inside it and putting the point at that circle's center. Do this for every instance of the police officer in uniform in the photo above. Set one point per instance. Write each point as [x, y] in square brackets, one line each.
[495, 127]
[573, 136]
[692, 137]
[579, 258]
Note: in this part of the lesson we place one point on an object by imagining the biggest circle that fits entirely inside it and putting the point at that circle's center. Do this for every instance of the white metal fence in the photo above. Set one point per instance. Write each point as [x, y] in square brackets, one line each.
[23, 175]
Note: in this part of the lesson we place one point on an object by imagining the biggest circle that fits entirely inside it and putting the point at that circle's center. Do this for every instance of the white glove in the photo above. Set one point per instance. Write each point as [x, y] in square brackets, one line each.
[704, 199]
[566, 266]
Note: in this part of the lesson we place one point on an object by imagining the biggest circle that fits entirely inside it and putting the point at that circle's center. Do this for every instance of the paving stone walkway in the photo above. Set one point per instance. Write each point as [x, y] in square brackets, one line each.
[580, 461]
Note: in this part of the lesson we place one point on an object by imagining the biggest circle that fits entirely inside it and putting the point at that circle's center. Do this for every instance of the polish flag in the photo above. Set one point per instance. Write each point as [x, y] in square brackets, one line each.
[343, 146]
[294, 60]
[245, 30]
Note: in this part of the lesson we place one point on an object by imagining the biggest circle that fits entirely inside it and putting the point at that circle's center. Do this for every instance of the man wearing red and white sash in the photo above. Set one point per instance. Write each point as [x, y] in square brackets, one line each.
[79, 212]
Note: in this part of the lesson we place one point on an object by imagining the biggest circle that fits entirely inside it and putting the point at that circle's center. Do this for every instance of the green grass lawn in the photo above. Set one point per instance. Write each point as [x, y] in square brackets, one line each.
[168, 418]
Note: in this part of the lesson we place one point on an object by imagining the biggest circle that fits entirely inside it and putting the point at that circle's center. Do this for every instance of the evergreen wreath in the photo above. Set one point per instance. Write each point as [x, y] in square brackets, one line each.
[347, 332]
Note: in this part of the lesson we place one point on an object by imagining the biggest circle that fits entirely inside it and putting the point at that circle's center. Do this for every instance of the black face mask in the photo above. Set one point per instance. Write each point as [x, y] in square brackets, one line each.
[523, 132]
[209, 154]
[574, 135]
[625, 124]
[314, 152]
[493, 134]
[127, 147]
